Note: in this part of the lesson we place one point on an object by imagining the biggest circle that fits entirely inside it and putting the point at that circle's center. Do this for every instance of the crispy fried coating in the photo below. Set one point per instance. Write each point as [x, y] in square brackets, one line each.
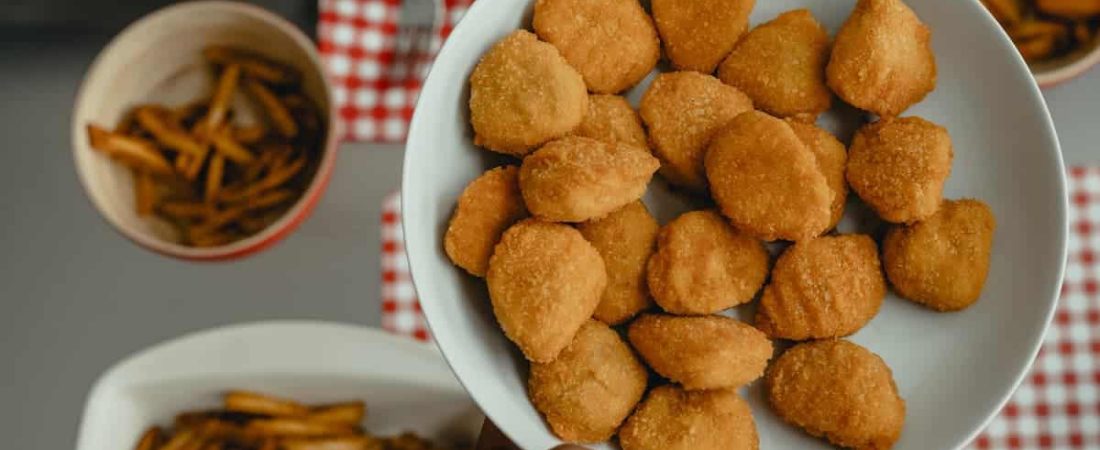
[488, 206]
[683, 110]
[611, 119]
[612, 43]
[882, 58]
[942, 262]
[544, 282]
[703, 265]
[591, 387]
[574, 178]
[625, 239]
[523, 94]
[671, 418]
[697, 34]
[766, 181]
[837, 390]
[701, 352]
[898, 167]
[825, 287]
[831, 158]
[781, 66]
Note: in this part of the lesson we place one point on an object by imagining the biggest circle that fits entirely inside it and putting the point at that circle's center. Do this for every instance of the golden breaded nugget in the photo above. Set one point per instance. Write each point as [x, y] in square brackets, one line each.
[544, 282]
[703, 265]
[781, 66]
[575, 178]
[488, 206]
[697, 34]
[942, 262]
[837, 390]
[701, 352]
[671, 418]
[898, 167]
[611, 119]
[591, 387]
[683, 110]
[523, 94]
[831, 158]
[882, 58]
[766, 181]
[825, 287]
[612, 43]
[625, 239]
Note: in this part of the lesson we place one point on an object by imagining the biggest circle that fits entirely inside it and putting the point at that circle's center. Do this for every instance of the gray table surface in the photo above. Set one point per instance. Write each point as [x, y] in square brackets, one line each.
[76, 297]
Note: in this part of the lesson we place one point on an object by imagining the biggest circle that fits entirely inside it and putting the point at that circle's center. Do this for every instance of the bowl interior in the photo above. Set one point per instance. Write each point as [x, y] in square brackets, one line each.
[414, 391]
[158, 60]
[954, 370]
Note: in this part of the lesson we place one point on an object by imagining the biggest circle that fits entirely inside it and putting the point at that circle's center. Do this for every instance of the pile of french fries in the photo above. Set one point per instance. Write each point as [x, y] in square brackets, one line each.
[1046, 29]
[254, 421]
[219, 181]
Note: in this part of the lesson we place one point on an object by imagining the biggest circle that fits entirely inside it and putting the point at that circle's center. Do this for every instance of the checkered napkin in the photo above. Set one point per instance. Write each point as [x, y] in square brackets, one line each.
[1057, 406]
[376, 71]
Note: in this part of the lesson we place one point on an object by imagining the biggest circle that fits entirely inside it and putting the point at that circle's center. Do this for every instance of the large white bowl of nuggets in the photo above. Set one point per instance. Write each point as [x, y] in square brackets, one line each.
[726, 225]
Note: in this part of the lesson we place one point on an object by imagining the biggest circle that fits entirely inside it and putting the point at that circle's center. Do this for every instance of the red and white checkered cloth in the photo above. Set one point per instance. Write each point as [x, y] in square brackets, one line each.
[376, 76]
[1057, 407]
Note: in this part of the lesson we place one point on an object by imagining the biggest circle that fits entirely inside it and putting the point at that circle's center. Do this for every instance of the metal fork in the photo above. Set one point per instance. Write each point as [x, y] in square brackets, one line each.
[415, 35]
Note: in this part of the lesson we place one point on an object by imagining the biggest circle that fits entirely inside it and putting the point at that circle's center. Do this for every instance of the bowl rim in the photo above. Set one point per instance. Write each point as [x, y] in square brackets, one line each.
[1063, 231]
[290, 220]
[1079, 66]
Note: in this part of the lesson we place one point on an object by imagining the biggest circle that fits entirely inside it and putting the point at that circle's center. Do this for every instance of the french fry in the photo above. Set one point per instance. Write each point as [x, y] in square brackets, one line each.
[134, 151]
[267, 199]
[226, 145]
[1070, 9]
[256, 403]
[1005, 11]
[168, 134]
[1037, 48]
[185, 210]
[149, 439]
[145, 193]
[350, 413]
[276, 111]
[276, 177]
[209, 239]
[252, 64]
[1082, 33]
[217, 220]
[292, 427]
[182, 440]
[1033, 29]
[269, 444]
[214, 445]
[249, 134]
[214, 176]
[334, 443]
[223, 94]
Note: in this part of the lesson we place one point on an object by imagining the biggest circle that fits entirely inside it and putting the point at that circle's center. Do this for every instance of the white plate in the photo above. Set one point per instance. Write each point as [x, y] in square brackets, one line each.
[406, 384]
[954, 370]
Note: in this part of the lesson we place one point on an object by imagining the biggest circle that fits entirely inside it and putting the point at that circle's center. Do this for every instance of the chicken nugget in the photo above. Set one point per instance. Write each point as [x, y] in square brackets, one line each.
[942, 262]
[703, 265]
[612, 43]
[898, 167]
[683, 110]
[488, 206]
[837, 390]
[831, 158]
[822, 288]
[701, 352]
[544, 281]
[625, 239]
[523, 94]
[781, 66]
[611, 119]
[574, 178]
[882, 58]
[671, 418]
[697, 34]
[766, 181]
[591, 387]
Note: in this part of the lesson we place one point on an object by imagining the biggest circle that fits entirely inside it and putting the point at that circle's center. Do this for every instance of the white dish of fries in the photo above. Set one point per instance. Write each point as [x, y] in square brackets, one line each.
[204, 130]
[406, 386]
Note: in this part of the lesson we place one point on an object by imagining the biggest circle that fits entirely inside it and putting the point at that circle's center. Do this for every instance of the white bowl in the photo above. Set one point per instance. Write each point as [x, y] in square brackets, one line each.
[954, 370]
[158, 59]
[406, 384]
